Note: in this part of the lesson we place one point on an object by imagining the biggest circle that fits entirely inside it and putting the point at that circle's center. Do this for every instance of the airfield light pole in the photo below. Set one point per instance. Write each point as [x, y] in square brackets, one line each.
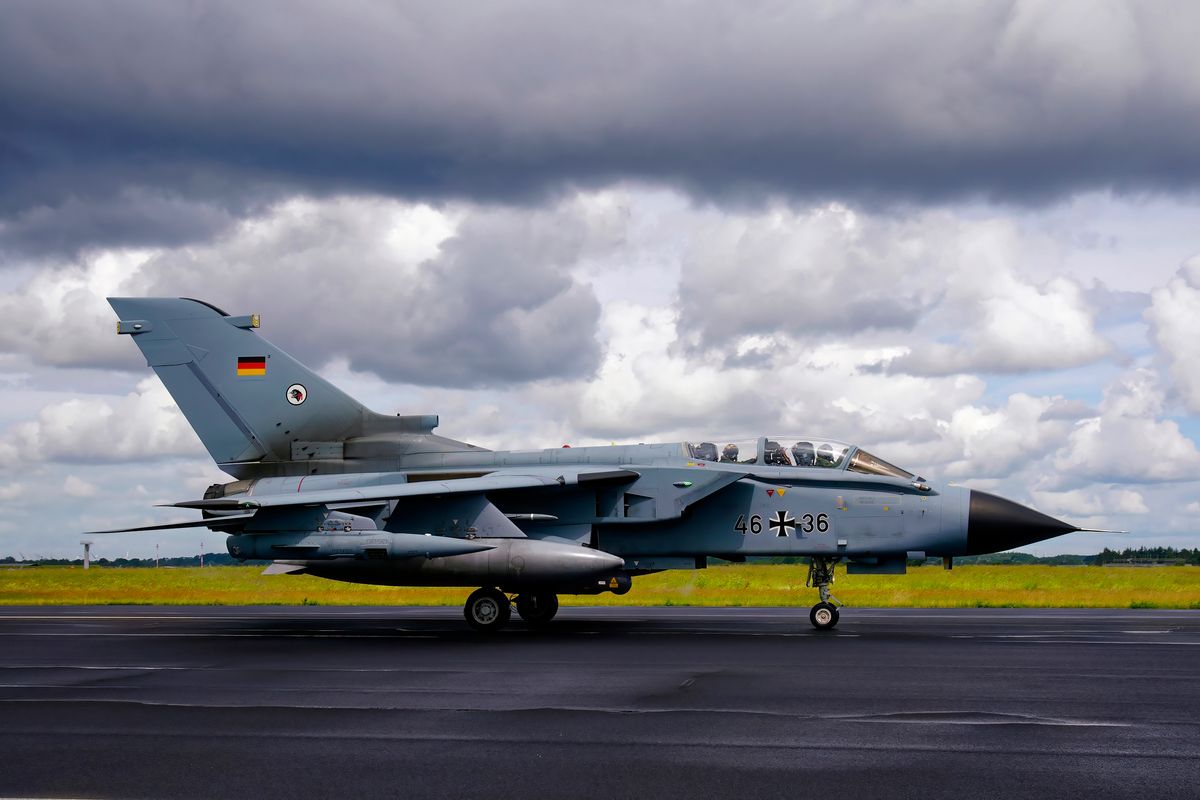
[87, 553]
[201, 552]
[156, 554]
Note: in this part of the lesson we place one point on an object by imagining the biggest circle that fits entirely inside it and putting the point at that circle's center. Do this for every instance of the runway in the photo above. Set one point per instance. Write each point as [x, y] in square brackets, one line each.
[167, 702]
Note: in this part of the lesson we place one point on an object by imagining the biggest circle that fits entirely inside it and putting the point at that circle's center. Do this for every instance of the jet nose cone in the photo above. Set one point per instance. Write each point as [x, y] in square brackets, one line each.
[996, 524]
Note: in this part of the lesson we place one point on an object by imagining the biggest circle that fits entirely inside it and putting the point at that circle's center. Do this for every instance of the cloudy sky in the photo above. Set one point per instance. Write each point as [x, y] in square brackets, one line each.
[963, 235]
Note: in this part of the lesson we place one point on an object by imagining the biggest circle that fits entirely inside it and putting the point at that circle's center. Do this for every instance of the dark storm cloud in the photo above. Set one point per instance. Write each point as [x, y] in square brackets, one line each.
[131, 216]
[495, 305]
[221, 103]
[484, 296]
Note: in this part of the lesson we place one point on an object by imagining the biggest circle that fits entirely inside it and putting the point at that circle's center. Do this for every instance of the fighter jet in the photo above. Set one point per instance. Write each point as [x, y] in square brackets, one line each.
[324, 486]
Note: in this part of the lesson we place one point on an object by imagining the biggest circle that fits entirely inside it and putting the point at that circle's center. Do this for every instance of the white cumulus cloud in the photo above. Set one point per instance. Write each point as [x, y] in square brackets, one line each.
[1174, 317]
[143, 424]
[987, 442]
[1127, 442]
[1092, 502]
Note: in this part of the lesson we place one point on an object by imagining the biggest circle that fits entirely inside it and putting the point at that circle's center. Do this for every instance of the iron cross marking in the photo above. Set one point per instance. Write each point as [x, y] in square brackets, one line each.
[783, 523]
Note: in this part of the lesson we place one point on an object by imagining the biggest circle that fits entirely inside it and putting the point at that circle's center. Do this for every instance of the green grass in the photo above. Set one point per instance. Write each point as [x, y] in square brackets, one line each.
[739, 585]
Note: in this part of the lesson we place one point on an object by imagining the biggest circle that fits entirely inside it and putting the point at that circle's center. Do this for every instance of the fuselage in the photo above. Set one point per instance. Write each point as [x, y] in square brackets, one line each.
[675, 507]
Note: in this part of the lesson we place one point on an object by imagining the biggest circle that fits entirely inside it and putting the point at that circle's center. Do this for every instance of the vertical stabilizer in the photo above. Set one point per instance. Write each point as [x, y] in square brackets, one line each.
[247, 399]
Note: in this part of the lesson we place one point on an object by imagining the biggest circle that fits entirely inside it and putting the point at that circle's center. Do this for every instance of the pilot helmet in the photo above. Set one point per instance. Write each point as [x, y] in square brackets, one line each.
[730, 452]
[803, 454]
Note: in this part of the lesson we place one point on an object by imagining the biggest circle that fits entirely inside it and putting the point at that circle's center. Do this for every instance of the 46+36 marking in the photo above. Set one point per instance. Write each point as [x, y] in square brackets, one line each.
[783, 523]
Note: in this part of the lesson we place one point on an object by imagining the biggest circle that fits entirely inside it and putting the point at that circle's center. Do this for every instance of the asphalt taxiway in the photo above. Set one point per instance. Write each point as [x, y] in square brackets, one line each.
[171, 702]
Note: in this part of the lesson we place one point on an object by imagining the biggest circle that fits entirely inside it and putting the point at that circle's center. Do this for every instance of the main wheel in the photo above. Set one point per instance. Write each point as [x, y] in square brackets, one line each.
[537, 608]
[823, 616]
[487, 610]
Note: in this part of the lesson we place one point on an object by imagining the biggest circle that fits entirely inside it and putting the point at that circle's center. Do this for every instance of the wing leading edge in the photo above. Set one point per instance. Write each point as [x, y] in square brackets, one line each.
[495, 482]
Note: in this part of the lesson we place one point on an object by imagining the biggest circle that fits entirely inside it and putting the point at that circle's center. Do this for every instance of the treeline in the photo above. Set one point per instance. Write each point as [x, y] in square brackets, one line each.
[1188, 556]
[210, 560]
[1105, 556]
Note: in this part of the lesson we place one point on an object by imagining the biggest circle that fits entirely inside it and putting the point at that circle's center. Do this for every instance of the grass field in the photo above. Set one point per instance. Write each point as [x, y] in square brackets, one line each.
[739, 585]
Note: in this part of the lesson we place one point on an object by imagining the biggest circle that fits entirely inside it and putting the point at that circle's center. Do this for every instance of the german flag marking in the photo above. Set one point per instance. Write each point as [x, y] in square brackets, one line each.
[251, 365]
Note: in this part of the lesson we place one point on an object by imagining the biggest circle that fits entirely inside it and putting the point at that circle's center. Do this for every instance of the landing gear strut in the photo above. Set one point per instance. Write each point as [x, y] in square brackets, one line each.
[487, 609]
[537, 608]
[824, 615]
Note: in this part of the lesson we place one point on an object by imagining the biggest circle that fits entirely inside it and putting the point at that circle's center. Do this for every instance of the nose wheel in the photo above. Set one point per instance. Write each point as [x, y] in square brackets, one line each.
[487, 610]
[824, 615]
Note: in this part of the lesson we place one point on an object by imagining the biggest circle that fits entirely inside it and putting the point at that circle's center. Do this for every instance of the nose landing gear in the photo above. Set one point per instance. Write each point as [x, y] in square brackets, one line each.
[824, 615]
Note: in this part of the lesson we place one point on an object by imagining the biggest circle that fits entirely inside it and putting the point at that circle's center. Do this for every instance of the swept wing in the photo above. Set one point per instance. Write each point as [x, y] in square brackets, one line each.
[358, 498]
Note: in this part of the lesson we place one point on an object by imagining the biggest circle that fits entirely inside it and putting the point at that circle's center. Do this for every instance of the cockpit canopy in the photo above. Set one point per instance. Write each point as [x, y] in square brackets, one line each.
[796, 451]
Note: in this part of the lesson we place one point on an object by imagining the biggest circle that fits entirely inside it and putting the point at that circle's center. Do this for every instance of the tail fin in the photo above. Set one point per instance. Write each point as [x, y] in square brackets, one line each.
[247, 399]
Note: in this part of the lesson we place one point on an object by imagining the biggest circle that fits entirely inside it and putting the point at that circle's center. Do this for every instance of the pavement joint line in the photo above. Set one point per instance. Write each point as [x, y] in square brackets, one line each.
[798, 745]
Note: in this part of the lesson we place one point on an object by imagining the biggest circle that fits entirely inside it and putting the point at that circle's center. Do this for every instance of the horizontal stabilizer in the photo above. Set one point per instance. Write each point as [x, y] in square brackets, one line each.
[216, 523]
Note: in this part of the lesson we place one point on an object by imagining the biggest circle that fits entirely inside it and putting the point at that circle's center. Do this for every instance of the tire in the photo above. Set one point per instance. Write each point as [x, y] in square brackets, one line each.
[537, 608]
[823, 616]
[487, 610]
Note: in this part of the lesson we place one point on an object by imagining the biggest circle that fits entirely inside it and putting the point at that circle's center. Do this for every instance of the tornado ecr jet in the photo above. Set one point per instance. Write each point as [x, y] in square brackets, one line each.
[324, 486]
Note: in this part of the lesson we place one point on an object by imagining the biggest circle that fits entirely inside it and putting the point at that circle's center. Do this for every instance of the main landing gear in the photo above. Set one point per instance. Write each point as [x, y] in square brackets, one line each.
[489, 609]
[537, 608]
[824, 615]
